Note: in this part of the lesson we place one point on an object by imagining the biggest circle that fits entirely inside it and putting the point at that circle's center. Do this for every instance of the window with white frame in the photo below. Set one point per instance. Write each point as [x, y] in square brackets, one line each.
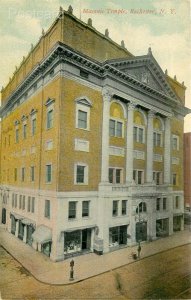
[141, 208]
[83, 114]
[115, 128]
[23, 174]
[158, 204]
[72, 209]
[33, 125]
[49, 113]
[85, 208]
[175, 142]
[24, 131]
[115, 208]
[48, 173]
[81, 173]
[29, 204]
[177, 202]
[138, 176]
[115, 175]
[157, 139]
[32, 173]
[139, 134]
[47, 209]
[158, 177]
[174, 179]
[124, 207]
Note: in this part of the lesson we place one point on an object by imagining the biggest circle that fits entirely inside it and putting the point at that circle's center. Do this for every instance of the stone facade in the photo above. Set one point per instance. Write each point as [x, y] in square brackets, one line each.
[187, 169]
[91, 145]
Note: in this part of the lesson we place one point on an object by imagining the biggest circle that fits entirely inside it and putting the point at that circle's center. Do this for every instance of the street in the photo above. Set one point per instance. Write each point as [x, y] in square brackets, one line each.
[164, 275]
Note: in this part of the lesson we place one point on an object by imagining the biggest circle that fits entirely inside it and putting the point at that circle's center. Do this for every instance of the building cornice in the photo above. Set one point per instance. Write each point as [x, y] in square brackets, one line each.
[63, 53]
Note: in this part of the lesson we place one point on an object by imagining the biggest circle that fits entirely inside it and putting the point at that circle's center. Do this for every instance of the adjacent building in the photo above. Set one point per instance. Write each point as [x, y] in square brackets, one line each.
[187, 170]
[91, 144]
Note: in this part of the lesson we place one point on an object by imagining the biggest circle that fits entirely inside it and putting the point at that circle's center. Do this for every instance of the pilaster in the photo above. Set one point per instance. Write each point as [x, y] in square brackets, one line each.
[167, 152]
[149, 173]
[129, 143]
[105, 135]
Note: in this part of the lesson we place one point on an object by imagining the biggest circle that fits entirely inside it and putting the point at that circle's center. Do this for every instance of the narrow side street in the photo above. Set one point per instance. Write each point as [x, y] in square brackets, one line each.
[164, 275]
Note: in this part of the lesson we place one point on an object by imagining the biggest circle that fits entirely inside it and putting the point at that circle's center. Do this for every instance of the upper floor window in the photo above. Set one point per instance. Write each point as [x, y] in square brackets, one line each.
[33, 126]
[138, 176]
[32, 173]
[157, 139]
[141, 208]
[47, 209]
[138, 134]
[115, 128]
[16, 135]
[158, 204]
[85, 208]
[174, 179]
[115, 208]
[81, 174]
[23, 174]
[115, 175]
[124, 207]
[157, 177]
[83, 106]
[164, 203]
[24, 131]
[15, 174]
[50, 113]
[176, 202]
[72, 210]
[175, 142]
[48, 173]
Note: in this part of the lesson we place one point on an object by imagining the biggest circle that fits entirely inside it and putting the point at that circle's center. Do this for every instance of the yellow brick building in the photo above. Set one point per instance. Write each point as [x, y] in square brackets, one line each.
[91, 144]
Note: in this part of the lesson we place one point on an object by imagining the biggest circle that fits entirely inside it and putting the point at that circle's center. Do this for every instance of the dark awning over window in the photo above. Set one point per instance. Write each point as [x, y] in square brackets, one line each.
[42, 234]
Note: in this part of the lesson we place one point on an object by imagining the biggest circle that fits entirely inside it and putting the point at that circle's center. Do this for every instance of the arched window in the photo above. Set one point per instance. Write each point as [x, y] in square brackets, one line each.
[116, 122]
[139, 127]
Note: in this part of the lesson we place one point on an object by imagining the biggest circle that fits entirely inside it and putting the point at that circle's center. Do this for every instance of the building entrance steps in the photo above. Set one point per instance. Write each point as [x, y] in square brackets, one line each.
[85, 266]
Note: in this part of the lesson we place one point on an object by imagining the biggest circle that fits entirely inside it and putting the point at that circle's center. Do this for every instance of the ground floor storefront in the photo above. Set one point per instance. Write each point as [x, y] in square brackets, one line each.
[162, 227]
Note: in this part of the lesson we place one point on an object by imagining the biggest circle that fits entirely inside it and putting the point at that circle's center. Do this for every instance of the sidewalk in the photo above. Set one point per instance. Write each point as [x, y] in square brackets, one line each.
[86, 266]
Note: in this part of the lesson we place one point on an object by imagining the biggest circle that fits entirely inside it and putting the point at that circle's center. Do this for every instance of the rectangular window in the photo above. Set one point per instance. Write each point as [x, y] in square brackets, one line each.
[164, 203]
[47, 209]
[72, 210]
[115, 208]
[15, 200]
[29, 204]
[177, 202]
[20, 201]
[124, 207]
[23, 174]
[157, 139]
[175, 142]
[48, 173]
[33, 205]
[15, 174]
[118, 175]
[115, 128]
[50, 119]
[32, 173]
[138, 176]
[24, 131]
[17, 135]
[157, 177]
[33, 126]
[111, 175]
[85, 209]
[82, 119]
[174, 179]
[138, 134]
[158, 204]
[80, 174]
[23, 204]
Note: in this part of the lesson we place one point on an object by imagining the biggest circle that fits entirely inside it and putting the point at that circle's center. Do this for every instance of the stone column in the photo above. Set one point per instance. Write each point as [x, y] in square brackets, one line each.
[25, 234]
[129, 143]
[167, 152]
[149, 174]
[105, 135]
[17, 228]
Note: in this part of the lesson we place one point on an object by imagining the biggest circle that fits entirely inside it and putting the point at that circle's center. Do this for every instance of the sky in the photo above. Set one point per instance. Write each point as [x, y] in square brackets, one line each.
[163, 25]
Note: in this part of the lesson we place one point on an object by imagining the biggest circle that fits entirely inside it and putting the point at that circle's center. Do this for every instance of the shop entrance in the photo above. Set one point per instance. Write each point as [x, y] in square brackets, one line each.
[13, 225]
[30, 230]
[177, 223]
[21, 230]
[141, 231]
[162, 227]
[86, 239]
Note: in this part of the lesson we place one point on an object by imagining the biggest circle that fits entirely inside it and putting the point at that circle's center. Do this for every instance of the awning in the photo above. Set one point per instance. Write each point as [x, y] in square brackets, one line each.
[16, 216]
[79, 228]
[27, 221]
[42, 234]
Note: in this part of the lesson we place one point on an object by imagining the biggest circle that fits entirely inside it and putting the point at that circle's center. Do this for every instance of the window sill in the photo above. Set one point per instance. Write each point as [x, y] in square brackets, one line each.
[84, 129]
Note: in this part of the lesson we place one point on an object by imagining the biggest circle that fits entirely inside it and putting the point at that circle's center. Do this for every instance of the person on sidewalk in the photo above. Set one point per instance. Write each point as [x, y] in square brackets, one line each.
[139, 250]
